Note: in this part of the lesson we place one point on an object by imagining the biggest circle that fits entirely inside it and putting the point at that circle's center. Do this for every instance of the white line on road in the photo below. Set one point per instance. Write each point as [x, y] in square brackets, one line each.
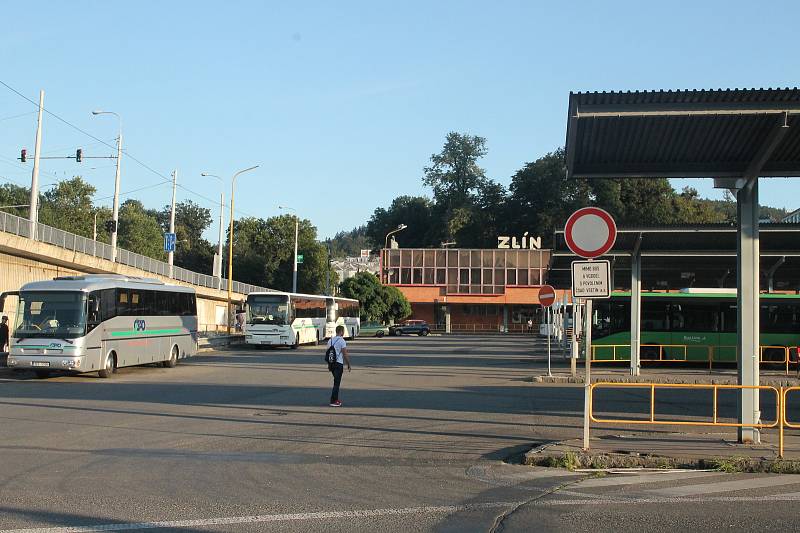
[366, 513]
[371, 513]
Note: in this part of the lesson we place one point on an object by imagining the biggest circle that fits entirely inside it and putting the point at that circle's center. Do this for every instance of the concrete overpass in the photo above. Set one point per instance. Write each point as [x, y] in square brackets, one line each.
[54, 252]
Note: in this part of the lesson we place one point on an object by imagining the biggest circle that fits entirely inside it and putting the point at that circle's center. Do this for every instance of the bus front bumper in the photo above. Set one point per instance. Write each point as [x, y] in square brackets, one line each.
[50, 362]
[268, 339]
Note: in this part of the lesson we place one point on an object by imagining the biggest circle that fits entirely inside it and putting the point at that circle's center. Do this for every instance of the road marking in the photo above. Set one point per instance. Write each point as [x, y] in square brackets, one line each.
[729, 486]
[636, 479]
[324, 515]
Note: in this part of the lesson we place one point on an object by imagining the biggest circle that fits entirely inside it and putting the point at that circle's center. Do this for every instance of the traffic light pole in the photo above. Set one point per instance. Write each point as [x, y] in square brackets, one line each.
[33, 213]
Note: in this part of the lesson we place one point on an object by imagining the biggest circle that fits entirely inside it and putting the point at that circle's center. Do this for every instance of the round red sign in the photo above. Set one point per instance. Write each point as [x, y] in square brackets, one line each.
[547, 295]
[590, 232]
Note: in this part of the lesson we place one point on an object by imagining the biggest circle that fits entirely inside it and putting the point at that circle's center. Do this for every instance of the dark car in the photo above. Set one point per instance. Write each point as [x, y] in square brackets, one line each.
[410, 327]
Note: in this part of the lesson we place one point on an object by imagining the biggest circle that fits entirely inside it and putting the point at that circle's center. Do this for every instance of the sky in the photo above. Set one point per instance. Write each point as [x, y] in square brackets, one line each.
[343, 103]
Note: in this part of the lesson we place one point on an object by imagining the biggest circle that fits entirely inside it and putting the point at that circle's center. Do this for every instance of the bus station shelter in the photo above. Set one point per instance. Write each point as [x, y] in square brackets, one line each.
[734, 136]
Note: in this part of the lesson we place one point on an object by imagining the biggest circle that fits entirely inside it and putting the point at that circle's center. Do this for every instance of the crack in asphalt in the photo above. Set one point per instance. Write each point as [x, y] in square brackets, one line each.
[498, 526]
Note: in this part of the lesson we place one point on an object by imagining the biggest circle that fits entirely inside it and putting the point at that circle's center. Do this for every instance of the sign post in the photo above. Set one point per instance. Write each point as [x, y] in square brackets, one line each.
[590, 232]
[547, 295]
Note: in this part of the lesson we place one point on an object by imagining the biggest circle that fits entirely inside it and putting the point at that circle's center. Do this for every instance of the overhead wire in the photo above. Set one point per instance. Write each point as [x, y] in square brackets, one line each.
[101, 141]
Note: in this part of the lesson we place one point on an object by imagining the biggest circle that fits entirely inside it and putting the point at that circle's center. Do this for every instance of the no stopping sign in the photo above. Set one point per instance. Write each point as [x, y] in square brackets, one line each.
[590, 232]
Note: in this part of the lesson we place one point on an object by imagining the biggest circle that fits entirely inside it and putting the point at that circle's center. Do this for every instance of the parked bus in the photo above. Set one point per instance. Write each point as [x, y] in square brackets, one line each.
[285, 319]
[556, 315]
[343, 312]
[101, 322]
[694, 324]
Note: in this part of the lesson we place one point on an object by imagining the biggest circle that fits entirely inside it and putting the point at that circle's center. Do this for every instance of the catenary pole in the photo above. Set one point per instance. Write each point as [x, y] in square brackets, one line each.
[33, 212]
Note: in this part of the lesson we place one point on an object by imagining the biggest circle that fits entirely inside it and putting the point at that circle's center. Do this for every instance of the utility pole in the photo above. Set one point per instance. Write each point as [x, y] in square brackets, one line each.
[115, 213]
[33, 213]
[221, 226]
[328, 284]
[172, 218]
[294, 272]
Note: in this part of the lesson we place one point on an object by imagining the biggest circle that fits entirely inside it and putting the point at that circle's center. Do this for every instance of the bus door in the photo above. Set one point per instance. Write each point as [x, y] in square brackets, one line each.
[695, 330]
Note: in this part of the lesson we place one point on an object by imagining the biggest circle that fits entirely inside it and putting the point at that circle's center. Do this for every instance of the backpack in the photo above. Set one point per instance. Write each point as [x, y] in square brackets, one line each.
[330, 354]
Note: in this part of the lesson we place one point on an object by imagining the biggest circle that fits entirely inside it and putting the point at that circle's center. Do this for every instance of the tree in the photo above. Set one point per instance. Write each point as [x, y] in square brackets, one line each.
[192, 251]
[68, 206]
[264, 254]
[139, 230]
[378, 302]
[350, 243]
[454, 174]
[417, 212]
[15, 195]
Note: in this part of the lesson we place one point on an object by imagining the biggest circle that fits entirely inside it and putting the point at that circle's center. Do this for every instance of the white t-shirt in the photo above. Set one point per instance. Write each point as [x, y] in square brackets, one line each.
[339, 344]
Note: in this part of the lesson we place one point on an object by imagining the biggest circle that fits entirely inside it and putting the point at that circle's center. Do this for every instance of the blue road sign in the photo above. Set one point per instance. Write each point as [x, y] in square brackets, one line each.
[169, 242]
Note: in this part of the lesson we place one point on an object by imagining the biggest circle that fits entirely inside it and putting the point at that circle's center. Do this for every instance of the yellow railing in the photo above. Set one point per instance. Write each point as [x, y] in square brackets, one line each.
[711, 351]
[712, 421]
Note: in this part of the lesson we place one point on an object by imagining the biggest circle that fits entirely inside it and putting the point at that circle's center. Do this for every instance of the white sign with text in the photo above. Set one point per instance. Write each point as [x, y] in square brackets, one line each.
[591, 279]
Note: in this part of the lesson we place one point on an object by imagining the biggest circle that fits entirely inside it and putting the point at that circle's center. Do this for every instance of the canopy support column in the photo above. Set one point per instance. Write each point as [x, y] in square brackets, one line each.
[636, 306]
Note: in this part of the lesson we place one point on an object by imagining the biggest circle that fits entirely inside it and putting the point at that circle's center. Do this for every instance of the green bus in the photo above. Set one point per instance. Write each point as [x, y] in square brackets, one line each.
[694, 325]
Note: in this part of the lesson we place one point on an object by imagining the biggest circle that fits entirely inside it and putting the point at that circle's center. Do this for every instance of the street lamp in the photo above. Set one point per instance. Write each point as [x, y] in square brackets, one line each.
[221, 220]
[230, 244]
[115, 213]
[400, 227]
[296, 225]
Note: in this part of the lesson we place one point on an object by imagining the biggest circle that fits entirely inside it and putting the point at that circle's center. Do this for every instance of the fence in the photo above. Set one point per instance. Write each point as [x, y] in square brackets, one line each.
[713, 421]
[22, 227]
[666, 354]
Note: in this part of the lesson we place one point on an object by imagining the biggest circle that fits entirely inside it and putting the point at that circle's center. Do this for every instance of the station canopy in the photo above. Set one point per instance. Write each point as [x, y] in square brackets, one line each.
[679, 257]
[684, 134]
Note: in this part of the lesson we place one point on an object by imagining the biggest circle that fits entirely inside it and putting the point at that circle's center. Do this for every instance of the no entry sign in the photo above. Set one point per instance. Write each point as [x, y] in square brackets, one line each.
[590, 232]
[547, 295]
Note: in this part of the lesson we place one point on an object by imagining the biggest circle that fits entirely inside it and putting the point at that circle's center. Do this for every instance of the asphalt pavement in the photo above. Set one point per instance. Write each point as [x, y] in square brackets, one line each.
[243, 440]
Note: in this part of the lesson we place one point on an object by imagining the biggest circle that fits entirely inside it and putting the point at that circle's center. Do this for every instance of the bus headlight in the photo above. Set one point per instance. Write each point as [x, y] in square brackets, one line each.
[11, 362]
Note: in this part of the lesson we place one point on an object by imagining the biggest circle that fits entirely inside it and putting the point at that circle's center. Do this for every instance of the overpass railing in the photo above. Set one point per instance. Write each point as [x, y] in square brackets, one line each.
[22, 227]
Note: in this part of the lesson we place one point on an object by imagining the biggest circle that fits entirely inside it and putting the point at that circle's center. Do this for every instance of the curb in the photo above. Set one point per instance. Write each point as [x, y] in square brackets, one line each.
[543, 456]
[663, 379]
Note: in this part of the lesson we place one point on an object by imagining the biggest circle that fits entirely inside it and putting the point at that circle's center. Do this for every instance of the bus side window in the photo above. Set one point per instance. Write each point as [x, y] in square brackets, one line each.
[108, 308]
[123, 302]
[93, 312]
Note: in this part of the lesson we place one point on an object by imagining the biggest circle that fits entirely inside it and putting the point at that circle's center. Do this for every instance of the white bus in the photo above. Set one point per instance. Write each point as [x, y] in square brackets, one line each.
[285, 319]
[343, 312]
[101, 322]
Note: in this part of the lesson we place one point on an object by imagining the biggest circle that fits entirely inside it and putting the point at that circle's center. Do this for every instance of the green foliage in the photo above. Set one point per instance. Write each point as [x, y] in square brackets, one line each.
[192, 251]
[264, 254]
[417, 212]
[139, 230]
[350, 243]
[68, 206]
[15, 195]
[378, 302]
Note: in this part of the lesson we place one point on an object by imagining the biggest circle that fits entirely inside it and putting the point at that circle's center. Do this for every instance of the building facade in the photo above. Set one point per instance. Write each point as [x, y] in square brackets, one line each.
[469, 289]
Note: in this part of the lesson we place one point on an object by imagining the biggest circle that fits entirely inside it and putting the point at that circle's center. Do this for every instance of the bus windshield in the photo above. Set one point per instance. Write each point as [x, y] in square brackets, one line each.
[265, 309]
[56, 314]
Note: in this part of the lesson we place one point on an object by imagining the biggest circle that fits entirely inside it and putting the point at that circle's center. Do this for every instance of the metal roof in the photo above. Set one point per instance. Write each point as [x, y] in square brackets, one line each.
[674, 257]
[684, 133]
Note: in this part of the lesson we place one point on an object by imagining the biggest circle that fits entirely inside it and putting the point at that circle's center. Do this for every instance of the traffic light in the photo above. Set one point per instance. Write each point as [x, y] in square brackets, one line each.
[111, 226]
[78, 155]
[23, 156]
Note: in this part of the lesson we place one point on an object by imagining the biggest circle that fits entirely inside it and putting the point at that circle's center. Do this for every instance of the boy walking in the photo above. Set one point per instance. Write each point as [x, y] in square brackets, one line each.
[340, 345]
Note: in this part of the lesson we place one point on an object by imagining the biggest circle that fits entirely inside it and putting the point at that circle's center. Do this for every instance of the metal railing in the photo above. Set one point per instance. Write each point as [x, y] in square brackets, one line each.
[713, 419]
[664, 355]
[22, 227]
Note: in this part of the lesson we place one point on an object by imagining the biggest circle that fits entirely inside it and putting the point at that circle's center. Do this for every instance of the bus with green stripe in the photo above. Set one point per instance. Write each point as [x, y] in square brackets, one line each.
[695, 324]
[101, 322]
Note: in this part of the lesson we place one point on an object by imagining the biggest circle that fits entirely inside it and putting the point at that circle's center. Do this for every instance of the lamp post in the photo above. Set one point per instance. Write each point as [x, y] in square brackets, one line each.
[400, 227]
[296, 227]
[115, 213]
[230, 244]
[221, 221]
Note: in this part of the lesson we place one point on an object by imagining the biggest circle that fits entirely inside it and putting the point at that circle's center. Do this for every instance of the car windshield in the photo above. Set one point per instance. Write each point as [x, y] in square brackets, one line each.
[267, 310]
[54, 314]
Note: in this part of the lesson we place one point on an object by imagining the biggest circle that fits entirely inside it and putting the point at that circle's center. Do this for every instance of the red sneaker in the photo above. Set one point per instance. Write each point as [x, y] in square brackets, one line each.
[337, 403]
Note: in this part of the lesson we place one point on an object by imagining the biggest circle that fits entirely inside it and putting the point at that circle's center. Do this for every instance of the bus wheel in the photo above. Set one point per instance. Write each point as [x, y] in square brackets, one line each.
[379, 334]
[42, 374]
[296, 344]
[172, 362]
[109, 367]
